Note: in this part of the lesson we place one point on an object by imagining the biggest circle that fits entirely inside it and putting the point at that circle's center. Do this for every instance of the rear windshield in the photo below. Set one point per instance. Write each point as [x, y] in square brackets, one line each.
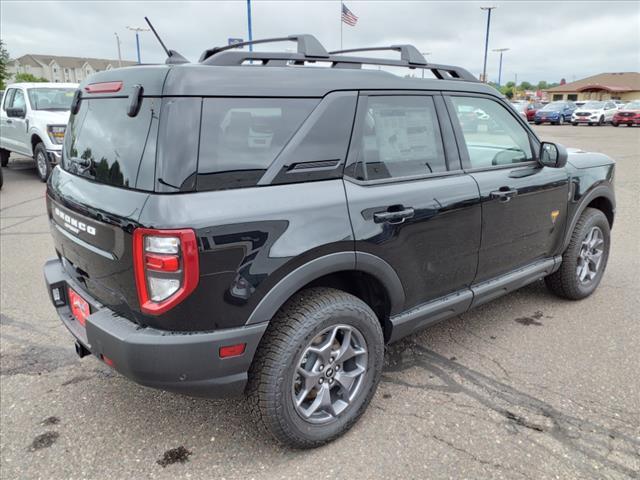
[104, 144]
[240, 137]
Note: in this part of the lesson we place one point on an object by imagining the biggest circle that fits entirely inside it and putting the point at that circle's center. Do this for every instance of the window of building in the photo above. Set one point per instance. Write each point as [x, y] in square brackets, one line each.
[557, 96]
[572, 97]
[400, 137]
[492, 135]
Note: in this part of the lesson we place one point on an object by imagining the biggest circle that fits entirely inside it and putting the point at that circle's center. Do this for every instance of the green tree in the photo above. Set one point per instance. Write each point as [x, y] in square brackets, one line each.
[526, 86]
[28, 77]
[510, 84]
[4, 64]
[542, 85]
[508, 92]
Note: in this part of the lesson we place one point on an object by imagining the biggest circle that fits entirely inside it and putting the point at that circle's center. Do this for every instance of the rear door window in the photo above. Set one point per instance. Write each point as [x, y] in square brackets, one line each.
[241, 137]
[400, 137]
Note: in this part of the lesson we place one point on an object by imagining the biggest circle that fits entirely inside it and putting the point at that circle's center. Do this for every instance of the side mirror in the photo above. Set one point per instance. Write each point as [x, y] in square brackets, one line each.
[552, 155]
[16, 112]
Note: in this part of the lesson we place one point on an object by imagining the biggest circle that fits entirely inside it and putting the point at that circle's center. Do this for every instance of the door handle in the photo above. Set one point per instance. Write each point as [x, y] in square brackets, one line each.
[394, 217]
[9, 121]
[504, 194]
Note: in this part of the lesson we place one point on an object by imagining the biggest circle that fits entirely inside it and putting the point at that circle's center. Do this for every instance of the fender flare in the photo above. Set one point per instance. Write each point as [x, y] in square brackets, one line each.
[600, 191]
[321, 266]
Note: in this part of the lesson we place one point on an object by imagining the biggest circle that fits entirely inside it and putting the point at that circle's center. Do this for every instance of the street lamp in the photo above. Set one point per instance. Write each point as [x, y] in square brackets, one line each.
[119, 54]
[424, 54]
[138, 30]
[501, 50]
[486, 42]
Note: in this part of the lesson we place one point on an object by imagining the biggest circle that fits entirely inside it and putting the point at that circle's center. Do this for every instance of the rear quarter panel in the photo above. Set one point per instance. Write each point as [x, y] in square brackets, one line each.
[249, 239]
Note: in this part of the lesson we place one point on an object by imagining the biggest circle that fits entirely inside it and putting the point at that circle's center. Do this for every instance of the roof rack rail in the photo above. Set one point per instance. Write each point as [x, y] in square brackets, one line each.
[311, 51]
[308, 45]
[408, 53]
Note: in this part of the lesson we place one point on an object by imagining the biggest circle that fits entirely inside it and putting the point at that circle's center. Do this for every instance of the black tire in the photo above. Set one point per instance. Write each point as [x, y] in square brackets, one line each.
[272, 375]
[43, 165]
[565, 281]
[4, 157]
[615, 124]
[537, 123]
[561, 120]
[601, 121]
[575, 124]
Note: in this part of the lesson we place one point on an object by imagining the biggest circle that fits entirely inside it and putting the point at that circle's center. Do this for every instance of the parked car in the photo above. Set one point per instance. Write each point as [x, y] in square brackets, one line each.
[628, 115]
[555, 113]
[224, 228]
[594, 113]
[33, 119]
[528, 108]
[521, 108]
[619, 103]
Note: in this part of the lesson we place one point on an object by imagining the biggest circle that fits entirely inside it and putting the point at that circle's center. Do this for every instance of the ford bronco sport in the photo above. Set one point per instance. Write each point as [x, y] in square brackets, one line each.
[250, 224]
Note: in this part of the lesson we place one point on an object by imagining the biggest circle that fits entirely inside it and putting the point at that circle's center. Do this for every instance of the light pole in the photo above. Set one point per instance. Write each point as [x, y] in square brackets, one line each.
[501, 50]
[138, 30]
[119, 54]
[249, 24]
[424, 54]
[486, 42]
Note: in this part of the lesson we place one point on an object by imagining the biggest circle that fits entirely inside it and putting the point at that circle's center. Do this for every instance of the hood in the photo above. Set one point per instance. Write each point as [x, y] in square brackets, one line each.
[589, 110]
[547, 112]
[581, 159]
[52, 117]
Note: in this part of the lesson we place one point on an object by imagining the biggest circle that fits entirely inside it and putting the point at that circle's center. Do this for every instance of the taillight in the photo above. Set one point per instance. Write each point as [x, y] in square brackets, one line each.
[166, 267]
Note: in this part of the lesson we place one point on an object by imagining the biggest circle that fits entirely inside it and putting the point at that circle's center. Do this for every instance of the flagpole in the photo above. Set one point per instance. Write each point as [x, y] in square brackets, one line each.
[341, 24]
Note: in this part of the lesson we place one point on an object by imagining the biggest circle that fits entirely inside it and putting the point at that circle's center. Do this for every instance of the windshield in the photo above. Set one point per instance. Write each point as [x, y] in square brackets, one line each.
[553, 107]
[50, 98]
[593, 105]
[632, 106]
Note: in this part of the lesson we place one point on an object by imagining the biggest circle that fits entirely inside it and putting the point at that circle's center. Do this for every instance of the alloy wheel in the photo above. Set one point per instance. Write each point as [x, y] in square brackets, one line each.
[41, 164]
[329, 374]
[590, 256]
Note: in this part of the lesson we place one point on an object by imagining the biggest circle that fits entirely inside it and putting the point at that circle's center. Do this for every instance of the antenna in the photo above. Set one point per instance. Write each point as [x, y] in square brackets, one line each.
[157, 36]
[173, 57]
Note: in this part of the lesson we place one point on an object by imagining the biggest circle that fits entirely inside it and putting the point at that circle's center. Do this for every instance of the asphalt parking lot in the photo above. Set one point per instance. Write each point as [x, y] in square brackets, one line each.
[529, 386]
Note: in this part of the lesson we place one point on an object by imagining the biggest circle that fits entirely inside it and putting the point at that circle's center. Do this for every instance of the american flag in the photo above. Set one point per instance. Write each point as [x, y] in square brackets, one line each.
[348, 17]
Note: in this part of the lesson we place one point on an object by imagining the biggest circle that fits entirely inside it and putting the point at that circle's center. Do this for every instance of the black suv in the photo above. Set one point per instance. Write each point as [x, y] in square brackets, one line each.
[255, 224]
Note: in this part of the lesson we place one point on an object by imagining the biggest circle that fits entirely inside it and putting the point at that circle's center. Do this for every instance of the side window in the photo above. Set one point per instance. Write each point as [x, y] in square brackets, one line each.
[8, 98]
[400, 138]
[492, 135]
[240, 137]
[18, 100]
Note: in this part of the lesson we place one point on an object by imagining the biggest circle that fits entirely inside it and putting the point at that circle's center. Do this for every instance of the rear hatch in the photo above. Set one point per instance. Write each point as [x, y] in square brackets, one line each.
[95, 197]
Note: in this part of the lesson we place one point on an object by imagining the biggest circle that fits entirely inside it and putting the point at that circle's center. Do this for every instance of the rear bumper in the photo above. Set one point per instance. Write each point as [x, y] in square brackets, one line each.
[187, 363]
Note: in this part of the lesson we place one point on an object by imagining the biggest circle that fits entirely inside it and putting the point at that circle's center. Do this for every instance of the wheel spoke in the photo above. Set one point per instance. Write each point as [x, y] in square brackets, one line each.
[346, 379]
[584, 271]
[325, 349]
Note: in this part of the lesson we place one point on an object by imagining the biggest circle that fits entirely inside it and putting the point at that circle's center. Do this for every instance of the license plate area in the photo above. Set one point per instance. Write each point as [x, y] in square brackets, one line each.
[79, 307]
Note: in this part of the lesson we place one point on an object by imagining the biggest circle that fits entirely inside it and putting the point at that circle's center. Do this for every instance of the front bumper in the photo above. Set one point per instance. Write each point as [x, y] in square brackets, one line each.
[187, 363]
[627, 120]
[55, 156]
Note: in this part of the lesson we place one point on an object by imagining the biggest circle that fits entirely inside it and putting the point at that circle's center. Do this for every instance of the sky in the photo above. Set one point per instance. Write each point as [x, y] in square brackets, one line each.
[547, 40]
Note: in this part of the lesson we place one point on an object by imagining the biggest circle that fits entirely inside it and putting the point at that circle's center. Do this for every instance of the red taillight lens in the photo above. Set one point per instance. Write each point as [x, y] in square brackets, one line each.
[166, 267]
[103, 87]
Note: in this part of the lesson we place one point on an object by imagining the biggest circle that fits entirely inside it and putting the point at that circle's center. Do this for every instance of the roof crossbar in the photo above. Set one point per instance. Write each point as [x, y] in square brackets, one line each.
[311, 51]
[408, 53]
[308, 45]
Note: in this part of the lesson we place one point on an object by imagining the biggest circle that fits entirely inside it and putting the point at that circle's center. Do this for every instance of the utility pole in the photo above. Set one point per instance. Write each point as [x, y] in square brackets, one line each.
[138, 30]
[119, 53]
[486, 42]
[501, 50]
[424, 54]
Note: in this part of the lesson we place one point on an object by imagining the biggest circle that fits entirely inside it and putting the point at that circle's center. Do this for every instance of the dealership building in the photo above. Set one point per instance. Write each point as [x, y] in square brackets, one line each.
[605, 86]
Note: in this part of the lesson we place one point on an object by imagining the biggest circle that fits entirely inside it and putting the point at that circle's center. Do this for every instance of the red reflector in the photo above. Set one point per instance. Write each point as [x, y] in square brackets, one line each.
[104, 87]
[163, 263]
[232, 350]
[79, 307]
[107, 360]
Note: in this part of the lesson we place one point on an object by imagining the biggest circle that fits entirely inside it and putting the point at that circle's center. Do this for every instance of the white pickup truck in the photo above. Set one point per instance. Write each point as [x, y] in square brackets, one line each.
[33, 119]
